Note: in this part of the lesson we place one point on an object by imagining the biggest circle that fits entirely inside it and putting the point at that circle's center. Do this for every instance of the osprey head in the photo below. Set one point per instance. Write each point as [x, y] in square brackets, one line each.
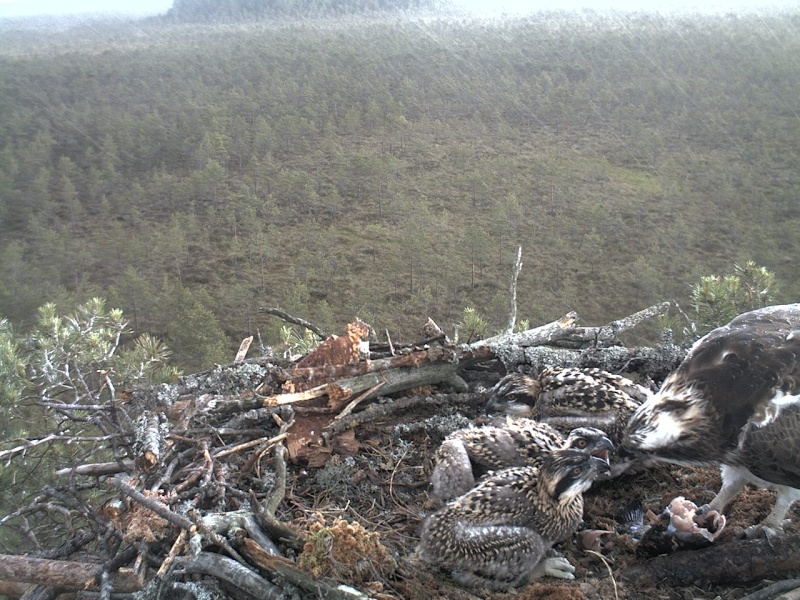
[515, 394]
[567, 473]
[674, 426]
[592, 441]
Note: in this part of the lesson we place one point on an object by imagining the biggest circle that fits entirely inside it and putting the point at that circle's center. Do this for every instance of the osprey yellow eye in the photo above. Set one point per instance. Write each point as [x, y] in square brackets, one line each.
[576, 470]
[581, 443]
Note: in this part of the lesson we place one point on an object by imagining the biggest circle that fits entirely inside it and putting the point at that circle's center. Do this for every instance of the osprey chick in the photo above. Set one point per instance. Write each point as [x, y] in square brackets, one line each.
[570, 397]
[734, 401]
[499, 534]
[467, 454]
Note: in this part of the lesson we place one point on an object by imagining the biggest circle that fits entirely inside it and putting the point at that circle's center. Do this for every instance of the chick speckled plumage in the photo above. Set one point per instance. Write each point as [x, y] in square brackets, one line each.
[499, 534]
[570, 397]
[467, 454]
[734, 401]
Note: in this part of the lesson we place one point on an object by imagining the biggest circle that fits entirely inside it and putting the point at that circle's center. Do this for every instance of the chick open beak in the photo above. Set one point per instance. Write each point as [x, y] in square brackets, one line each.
[603, 454]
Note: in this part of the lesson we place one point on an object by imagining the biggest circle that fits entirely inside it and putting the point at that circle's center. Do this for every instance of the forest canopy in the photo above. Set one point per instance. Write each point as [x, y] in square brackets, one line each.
[215, 11]
[389, 168]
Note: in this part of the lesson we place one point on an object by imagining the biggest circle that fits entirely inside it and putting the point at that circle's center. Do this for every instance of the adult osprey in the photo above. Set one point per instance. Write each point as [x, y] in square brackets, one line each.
[734, 401]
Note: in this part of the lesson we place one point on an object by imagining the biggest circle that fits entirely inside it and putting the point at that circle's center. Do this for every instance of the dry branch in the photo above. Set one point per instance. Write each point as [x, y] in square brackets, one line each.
[234, 573]
[739, 561]
[606, 335]
[566, 330]
[512, 319]
[66, 575]
[544, 334]
[149, 440]
[289, 571]
[295, 320]
[424, 367]
[98, 469]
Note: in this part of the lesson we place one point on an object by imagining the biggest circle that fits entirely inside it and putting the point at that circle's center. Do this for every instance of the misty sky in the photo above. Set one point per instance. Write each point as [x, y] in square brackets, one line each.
[14, 8]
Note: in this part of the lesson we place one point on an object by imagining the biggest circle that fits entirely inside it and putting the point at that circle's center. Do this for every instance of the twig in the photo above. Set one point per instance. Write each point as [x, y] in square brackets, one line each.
[177, 549]
[246, 445]
[773, 591]
[292, 319]
[377, 411]
[610, 572]
[358, 400]
[289, 571]
[274, 528]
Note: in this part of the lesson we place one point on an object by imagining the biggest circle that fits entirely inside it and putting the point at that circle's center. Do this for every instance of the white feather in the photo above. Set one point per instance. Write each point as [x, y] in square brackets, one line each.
[779, 401]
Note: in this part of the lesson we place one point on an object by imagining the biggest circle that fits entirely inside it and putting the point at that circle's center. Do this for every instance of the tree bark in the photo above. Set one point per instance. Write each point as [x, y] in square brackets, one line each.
[738, 561]
[227, 569]
[63, 574]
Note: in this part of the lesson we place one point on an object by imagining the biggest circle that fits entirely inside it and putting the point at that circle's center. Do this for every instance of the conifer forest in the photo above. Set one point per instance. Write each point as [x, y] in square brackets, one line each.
[337, 161]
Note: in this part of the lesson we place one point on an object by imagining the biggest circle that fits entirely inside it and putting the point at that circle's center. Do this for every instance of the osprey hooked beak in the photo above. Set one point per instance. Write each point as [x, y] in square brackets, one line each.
[668, 428]
[603, 450]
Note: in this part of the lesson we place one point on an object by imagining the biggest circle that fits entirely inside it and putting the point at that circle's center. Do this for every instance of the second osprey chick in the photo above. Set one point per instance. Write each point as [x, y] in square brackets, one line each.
[467, 454]
[499, 534]
[570, 397]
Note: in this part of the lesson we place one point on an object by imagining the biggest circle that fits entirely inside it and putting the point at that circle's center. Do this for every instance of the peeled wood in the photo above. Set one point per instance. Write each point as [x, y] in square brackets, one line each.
[65, 575]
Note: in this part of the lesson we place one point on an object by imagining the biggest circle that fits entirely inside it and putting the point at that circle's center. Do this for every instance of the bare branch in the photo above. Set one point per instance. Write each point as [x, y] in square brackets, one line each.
[292, 319]
[512, 319]
[533, 337]
[68, 575]
[229, 570]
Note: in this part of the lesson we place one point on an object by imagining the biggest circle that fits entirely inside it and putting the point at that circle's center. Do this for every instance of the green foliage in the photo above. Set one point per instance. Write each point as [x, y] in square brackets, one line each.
[196, 336]
[12, 375]
[718, 299]
[60, 386]
[298, 343]
[387, 169]
[522, 325]
[77, 358]
[472, 327]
